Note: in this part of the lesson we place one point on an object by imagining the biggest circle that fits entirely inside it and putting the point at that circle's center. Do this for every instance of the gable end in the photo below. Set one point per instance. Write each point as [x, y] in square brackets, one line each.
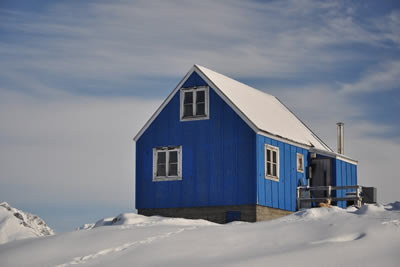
[196, 70]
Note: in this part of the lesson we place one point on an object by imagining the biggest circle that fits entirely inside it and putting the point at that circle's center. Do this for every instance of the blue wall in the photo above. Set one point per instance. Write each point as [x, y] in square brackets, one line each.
[346, 174]
[280, 194]
[218, 157]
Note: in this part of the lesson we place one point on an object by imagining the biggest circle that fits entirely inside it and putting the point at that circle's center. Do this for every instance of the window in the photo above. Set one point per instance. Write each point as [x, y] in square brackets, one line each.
[300, 162]
[272, 162]
[167, 163]
[194, 103]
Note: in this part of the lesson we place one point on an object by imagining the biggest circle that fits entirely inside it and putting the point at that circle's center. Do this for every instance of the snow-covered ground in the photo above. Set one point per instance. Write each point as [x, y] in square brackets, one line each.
[369, 236]
[16, 224]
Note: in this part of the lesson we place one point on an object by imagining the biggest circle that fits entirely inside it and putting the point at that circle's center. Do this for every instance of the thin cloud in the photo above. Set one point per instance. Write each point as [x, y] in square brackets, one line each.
[385, 76]
[120, 39]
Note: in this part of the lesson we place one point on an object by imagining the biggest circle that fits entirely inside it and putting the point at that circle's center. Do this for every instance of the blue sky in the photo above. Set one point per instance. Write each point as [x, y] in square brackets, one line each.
[80, 78]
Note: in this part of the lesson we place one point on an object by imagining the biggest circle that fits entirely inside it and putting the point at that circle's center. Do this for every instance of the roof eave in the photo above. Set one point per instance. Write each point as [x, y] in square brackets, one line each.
[335, 155]
[283, 139]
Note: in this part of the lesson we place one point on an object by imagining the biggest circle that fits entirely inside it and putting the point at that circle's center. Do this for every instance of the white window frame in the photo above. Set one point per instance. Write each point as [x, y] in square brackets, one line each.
[298, 158]
[268, 148]
[206, 104]
[155, 157]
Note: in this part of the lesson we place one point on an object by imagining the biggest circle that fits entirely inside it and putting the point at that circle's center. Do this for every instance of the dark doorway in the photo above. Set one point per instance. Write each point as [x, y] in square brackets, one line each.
[321, 175]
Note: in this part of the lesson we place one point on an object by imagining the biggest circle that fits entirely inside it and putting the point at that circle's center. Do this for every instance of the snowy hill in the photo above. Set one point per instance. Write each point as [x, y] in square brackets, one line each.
[16, 224]
[369, 236]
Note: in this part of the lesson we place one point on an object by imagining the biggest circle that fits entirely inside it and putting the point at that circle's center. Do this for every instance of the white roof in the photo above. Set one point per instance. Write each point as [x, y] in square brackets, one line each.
[263, 112]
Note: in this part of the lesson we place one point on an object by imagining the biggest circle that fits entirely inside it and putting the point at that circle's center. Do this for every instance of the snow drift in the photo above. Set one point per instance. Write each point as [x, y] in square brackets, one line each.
[333, 236]
[16, 224]
[139, 220]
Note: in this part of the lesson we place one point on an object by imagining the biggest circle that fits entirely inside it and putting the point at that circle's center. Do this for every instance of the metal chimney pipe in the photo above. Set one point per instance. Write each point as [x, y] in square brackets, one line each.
[340, 137]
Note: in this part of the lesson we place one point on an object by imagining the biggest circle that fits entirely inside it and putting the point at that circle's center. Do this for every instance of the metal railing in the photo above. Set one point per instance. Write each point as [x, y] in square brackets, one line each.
[356, 197]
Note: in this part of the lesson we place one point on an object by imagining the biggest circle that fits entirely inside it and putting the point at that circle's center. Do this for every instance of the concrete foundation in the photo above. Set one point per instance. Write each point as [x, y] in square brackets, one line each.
[217, 214]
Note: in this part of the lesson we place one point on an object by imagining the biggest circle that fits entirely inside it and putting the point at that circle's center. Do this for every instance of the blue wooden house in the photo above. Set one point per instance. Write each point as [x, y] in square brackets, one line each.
[220, 150]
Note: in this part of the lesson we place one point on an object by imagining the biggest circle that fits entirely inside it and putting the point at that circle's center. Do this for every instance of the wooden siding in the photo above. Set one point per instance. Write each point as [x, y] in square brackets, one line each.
[344, 174]
[282, 194]
[218, 158]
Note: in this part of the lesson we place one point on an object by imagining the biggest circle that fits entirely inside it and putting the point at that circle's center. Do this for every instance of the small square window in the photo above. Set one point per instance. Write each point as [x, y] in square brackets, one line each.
[300, 162]
[167, 163]
[272, 162]
[194, 103]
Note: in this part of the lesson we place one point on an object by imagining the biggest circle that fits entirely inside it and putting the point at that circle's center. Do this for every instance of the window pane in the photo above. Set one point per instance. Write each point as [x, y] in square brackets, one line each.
[268, 168]
[268, 155]
[274, 170]
[188, 110]
[200, 97]
[173, 169]
[188, 98]
[161, 157]
[200, 109]
[274, 156]
[161, 170]
[173, 156]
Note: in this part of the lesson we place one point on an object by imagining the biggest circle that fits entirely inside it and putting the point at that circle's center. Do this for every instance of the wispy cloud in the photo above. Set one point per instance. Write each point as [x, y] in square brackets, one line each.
[385, 76]
[118, 40]
[389, 26]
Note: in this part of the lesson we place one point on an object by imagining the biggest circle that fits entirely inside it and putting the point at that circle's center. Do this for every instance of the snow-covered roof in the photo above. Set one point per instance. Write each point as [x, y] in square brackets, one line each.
[263, 112]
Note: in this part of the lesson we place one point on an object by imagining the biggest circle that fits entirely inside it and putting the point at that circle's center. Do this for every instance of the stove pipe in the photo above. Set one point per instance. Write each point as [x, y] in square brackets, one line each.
[340, 137]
